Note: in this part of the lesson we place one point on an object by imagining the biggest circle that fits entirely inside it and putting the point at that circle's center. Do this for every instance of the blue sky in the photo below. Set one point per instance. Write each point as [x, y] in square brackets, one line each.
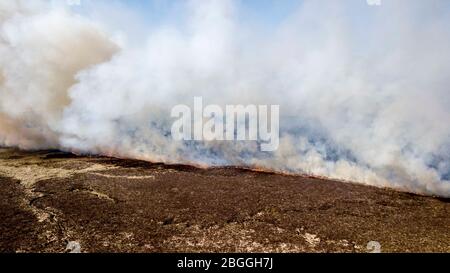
[136, 17]
[262, 12]
[266, 12]
[269, 11]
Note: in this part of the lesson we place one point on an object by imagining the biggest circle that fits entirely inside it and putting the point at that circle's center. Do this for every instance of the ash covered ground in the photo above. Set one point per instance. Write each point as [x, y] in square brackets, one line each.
[50, 198]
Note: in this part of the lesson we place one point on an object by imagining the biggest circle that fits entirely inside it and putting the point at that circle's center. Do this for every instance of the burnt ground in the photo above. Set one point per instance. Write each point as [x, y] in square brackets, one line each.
[48, 199]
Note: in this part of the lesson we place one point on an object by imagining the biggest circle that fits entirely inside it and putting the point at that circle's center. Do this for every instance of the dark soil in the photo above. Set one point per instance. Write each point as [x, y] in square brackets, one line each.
[48, 199]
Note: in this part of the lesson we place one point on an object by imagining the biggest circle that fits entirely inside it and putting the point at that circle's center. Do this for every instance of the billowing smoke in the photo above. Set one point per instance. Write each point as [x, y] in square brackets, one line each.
[364, 91]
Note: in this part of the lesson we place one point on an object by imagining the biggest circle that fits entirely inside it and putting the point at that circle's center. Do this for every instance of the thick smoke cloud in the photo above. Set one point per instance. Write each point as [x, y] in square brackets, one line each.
[41, 51]
[364, 91]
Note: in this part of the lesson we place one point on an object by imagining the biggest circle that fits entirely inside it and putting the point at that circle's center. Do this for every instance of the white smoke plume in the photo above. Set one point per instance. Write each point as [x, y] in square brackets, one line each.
[364, 91]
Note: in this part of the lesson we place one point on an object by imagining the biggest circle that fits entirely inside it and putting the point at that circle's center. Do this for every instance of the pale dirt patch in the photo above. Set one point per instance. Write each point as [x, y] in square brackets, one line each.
[97, 194]
[131, 177]
[29, 173]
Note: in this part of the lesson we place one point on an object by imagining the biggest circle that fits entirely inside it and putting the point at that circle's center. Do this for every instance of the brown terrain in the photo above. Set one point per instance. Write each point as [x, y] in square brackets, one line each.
[51, 200]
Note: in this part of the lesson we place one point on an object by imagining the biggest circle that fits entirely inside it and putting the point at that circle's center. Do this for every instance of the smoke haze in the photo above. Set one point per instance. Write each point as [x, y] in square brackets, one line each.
[363, 91]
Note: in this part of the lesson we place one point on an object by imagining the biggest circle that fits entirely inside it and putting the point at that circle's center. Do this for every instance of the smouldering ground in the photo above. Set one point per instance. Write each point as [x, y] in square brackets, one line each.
[48, 199]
